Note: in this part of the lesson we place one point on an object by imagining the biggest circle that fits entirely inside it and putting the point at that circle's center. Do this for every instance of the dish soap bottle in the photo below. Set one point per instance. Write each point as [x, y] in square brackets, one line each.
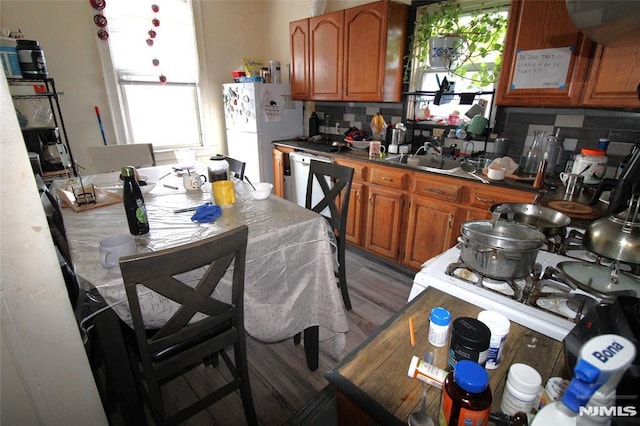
[134, 203]
[535, 154]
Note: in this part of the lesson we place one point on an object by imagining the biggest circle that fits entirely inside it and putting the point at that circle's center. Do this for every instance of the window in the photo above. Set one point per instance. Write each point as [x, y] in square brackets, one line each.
[425, 78]
[139, 53]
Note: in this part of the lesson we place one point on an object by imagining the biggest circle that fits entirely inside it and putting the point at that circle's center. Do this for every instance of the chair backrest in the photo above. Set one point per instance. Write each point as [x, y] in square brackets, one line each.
[158, 271]
[111, 158]
[236, 167]
[341, 178]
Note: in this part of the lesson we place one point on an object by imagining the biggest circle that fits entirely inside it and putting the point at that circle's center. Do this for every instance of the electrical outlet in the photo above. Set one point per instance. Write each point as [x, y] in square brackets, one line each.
[337, 128]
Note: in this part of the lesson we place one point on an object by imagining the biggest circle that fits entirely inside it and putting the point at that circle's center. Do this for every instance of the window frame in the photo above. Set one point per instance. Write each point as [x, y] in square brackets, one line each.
[117, 98]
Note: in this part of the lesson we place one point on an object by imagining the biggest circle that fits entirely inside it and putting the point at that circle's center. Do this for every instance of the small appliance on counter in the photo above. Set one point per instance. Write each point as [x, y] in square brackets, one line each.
[621, 188]
[45, 141]
[396, 140]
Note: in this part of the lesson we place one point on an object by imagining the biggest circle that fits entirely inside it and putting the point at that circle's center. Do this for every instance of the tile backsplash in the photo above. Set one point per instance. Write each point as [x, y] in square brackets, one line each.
[579, 128]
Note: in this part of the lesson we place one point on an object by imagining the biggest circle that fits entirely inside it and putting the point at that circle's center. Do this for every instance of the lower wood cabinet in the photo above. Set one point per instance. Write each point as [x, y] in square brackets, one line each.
[385, 209]
[355, 214]
[430, 230]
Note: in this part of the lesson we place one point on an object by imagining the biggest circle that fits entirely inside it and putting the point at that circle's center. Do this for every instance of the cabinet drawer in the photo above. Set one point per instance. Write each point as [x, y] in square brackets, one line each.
[485, 198]
[360, 169]
[448, 190]
[393, 178]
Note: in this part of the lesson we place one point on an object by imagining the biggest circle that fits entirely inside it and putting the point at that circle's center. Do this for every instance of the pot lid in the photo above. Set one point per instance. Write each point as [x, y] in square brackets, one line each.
[503, 234]
[594, 278]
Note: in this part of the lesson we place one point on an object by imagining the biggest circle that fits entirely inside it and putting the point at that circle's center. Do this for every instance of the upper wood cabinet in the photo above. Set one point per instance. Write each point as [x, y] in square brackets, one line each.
[299, 42]
[326, 37]
[598, 76]
[374, 47]
[614, 75]
[543, 24]
[354, 54]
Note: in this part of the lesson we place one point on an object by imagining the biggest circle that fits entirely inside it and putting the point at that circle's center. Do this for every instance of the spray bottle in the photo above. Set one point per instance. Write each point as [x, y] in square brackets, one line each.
[590, 398]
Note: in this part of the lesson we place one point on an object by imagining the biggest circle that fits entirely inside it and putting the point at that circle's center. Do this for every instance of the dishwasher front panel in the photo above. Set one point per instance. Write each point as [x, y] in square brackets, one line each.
[300, 163]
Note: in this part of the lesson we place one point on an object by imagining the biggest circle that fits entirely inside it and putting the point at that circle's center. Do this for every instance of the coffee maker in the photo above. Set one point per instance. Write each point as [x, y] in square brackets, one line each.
[45, 141]
[621, 188]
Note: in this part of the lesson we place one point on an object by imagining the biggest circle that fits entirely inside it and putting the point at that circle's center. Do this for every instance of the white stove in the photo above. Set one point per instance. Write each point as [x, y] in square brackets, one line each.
[433, 274]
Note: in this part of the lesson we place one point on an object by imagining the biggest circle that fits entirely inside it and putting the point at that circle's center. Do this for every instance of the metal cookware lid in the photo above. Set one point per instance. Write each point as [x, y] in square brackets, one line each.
[594, 278]
[503, 234]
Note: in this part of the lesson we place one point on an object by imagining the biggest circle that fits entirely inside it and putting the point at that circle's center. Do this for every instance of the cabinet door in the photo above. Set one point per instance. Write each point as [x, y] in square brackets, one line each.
[326, 38]
[355, 214]
[374, 45]
[384, 222]
[278, 173]
[299, 42]
[429, 230]
[543, 24]
[365, 30]
[614, 76]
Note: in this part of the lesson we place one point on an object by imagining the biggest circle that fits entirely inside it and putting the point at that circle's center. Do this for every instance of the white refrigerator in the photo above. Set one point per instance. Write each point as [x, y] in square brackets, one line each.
[256, 114]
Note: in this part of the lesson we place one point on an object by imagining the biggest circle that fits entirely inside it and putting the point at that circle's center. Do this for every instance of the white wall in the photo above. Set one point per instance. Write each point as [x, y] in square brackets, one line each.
[45, 376]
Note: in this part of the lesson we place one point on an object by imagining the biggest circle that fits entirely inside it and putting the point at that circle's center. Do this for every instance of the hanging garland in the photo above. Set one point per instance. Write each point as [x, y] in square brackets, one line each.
[101, 22]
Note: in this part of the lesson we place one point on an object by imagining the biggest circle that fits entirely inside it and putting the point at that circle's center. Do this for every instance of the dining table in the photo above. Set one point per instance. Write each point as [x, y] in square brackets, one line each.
[290, 284]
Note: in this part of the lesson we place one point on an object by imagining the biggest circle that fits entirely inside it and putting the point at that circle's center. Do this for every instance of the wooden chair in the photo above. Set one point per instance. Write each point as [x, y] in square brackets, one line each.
[184, 342]
[111, 158]
[236, 167]
[341, 177]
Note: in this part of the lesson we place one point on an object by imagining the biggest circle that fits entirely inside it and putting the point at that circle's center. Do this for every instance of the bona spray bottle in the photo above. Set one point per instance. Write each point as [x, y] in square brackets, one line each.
[590, 398]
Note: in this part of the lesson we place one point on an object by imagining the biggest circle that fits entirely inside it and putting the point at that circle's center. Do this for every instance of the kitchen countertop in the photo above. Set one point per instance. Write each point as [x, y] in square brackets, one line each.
[372, 380]
[326, 149]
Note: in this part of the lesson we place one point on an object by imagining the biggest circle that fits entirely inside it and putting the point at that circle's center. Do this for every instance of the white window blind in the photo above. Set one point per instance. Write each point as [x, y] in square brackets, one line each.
[166, 115]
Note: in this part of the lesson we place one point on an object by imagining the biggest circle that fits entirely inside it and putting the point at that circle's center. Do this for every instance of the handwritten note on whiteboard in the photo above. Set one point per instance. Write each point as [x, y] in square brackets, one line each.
[542, 68]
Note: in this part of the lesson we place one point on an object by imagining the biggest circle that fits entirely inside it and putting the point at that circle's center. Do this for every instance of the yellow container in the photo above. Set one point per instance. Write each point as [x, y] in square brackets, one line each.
[224, 192]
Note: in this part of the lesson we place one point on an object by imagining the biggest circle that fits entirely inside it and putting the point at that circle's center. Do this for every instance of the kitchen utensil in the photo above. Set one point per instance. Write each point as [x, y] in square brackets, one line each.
[616, 236]
[420, 417]
[573, 182]
[496, 173]
[471, 169]
[499, 249]
[571, 208]
[548, 221]
[249, 182]
[622, 188]
[600, 280]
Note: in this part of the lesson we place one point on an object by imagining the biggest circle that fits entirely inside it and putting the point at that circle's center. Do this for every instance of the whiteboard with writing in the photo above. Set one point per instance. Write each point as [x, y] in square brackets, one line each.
[542, 68]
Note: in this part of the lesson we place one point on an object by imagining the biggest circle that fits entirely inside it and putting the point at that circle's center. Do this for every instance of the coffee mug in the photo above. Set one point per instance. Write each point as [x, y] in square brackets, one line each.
[375, 149]
[193, 182]
[478, 125]
[114, 247]
[573, 182]
[224, 192]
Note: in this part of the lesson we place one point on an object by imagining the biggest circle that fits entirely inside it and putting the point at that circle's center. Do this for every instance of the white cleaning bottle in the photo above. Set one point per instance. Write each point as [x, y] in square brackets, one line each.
[591, 396]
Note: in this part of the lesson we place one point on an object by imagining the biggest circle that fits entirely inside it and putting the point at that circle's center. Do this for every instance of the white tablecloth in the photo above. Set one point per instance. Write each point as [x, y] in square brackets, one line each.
[289, 278]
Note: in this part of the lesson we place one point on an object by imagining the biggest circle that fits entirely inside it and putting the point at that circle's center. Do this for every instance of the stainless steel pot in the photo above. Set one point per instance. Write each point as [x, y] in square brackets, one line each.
[548, 221]
[500, 249]
[618, 236]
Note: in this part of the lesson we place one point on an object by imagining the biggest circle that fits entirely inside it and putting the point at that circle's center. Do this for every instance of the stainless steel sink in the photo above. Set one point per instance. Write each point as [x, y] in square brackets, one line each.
[425, 162]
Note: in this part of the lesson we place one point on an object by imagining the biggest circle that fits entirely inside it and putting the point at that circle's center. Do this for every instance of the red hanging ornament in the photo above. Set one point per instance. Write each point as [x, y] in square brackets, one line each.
[103, 34]
[155, 22]
[155, 8]
[98, 4]
[149, 42]
[162, 79]
[152, 34]
[155, 62]
[100, 20]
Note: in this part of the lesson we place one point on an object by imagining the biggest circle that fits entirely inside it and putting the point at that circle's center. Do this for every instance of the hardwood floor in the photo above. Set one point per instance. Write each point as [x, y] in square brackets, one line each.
[281, 384]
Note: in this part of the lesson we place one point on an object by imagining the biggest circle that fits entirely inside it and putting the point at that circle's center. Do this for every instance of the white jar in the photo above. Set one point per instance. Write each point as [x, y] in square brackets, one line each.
[522, 388]
[439, 322]
[499, 326]
[595, 160]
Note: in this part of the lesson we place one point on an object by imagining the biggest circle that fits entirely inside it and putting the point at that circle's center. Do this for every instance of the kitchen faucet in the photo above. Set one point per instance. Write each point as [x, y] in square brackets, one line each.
[435, 144]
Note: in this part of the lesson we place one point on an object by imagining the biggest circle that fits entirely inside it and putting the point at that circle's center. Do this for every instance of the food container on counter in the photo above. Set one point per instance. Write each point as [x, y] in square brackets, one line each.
[592, 164]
